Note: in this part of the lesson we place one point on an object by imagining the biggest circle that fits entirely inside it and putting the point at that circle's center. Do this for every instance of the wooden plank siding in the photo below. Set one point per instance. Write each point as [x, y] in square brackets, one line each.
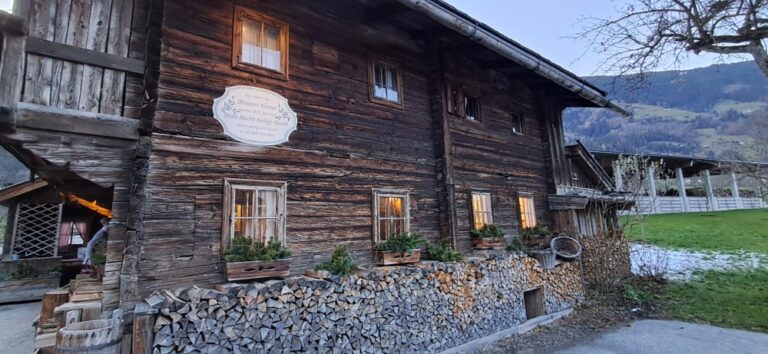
[102, 26]
[344, 147]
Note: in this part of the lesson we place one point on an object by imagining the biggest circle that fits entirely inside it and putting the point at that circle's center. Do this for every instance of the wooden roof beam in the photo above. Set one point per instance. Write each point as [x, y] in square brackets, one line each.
[386, 11]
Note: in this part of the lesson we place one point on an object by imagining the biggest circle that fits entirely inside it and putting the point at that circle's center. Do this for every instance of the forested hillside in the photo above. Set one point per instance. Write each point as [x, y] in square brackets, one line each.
[706, 112]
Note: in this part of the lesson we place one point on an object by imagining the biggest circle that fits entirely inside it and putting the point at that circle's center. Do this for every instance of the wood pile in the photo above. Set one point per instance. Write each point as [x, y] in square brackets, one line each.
[385, 310]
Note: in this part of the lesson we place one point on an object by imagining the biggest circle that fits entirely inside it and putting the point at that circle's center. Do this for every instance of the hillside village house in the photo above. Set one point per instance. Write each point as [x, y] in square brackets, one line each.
[313, 123]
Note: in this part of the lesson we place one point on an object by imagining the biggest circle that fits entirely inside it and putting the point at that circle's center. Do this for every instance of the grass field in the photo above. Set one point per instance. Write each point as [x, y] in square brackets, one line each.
[724, 231]
[727, 299]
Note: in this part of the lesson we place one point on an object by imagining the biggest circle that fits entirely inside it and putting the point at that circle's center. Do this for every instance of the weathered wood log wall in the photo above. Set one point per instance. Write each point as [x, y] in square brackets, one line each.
[62, 75]
[345, 145]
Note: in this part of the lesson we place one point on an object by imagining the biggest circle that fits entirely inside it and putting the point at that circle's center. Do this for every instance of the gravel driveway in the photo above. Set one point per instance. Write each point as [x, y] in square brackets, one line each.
[655, 336]
[16, 331]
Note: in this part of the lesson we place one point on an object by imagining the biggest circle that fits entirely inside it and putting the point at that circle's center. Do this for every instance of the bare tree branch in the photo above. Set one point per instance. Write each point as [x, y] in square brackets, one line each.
[647, 34]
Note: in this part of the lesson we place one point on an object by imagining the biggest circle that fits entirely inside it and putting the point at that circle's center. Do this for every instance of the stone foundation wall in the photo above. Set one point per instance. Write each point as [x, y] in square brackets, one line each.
[428, 307]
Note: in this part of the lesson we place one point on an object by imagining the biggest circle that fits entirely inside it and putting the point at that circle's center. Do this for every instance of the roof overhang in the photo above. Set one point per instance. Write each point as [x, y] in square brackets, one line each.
[486, 36]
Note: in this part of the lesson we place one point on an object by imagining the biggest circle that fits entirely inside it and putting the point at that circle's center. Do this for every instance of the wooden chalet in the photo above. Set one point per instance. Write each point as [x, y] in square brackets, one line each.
[409, 116]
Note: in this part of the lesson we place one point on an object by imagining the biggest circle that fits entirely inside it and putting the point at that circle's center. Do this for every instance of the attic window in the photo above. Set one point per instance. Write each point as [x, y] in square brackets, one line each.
[516, 122]
[463, 104]
[260, 44]
[386, 82]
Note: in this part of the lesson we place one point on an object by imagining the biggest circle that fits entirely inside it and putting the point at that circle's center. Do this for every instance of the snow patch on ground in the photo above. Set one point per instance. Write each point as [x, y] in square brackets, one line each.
[681, 264]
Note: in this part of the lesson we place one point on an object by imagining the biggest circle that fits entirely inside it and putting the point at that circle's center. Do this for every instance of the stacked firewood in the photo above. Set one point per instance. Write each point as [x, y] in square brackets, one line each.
[427, 307]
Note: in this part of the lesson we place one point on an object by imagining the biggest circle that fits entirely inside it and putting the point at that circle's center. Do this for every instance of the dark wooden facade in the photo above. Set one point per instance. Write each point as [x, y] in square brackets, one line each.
[168, 170]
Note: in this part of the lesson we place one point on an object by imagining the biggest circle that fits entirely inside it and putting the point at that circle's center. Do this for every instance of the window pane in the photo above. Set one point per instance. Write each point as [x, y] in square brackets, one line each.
[517, 124]
[391, 207]
[266, 229]
[251, 41]
[271, 47]
[268, 204]
[471, 108]
[392, 93]
[244, 203]
[482, 211]
[243, 228]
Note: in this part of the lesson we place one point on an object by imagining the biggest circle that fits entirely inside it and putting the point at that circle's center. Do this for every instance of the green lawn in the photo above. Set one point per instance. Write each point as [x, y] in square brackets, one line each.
[727, 299]
[725, 231]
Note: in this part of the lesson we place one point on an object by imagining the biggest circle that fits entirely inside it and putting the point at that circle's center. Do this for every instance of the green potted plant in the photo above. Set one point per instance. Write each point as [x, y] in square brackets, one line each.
[99, 261]
[488, 237]
[340, 264]
[247, 259]
[399, 249]
[442, 252]
[536, 237]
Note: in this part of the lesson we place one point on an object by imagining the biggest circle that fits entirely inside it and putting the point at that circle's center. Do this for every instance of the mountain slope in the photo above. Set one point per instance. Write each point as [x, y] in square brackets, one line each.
[702, 112]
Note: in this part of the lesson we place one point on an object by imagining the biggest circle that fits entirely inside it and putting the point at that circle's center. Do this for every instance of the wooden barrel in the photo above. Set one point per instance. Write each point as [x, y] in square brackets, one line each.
[92, 337]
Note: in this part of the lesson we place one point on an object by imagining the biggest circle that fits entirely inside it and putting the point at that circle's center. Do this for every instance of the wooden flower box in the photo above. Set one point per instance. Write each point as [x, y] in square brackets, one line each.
[488, 243]
[395, 258]
[539, 243]
[237, 271]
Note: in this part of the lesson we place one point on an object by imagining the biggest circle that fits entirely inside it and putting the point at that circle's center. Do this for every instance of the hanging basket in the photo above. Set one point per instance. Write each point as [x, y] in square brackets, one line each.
[566, 247]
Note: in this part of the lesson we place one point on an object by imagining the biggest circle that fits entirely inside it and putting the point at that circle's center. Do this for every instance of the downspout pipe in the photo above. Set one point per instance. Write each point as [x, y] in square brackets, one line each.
[451, 18]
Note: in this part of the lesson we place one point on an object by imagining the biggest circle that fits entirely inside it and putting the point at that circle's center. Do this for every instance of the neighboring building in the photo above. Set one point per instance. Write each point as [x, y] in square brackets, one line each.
[412, 116]
[690, 184]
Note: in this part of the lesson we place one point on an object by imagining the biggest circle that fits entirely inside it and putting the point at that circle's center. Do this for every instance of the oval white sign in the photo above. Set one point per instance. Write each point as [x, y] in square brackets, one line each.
[254, 115]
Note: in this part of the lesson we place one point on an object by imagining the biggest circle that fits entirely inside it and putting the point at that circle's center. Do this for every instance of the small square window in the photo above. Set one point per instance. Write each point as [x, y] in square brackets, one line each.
[462, 104]
[385, 82]
[391, 214]
[260, 44]
[471, 108]
[255, 210]
[527, 211]
[482, 210]
[516, 120]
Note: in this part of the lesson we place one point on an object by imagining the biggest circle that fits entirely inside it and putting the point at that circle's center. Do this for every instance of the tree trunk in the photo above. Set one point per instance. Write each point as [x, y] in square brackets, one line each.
[760, 56]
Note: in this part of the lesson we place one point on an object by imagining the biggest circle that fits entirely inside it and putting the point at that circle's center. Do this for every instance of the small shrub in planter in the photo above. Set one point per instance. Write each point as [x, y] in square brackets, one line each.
[442, 252]
[399, 249]
[488, 237]
[536, 237]
[98, 261]
[247, 260]
[518, 246]
[340, 264]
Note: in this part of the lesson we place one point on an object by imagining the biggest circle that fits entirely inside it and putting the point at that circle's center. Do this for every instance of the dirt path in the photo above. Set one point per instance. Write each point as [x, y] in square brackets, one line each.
[16, 331]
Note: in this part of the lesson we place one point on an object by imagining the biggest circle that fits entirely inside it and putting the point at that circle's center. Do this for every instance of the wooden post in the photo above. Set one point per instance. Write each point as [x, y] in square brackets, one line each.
[735, 191]
[710, 191]
[143, 333]
[11, 65]
[681, 188]
[617, 176]
[651, 175]
[443, 146]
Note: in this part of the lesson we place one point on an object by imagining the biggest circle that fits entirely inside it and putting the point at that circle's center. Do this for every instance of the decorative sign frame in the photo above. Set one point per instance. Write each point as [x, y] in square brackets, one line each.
[254, 115]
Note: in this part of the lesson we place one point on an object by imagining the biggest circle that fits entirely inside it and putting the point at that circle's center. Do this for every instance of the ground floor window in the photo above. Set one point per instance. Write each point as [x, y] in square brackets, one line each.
[527, 211]
[254, 209]
[482, 209]
[36, 230]
[391, 214]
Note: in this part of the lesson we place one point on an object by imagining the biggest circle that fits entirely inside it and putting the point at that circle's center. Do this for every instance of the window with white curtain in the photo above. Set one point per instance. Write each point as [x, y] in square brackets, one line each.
[385, 81]
[482, 210]
[391, 214]
[260, 42]
[255, 210]
[527, 211]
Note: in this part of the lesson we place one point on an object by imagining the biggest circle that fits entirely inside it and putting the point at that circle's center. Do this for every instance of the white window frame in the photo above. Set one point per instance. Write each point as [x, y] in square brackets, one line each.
[233, 185]
[395, 193]
[527, 217]
[397, 72]
[474, 212]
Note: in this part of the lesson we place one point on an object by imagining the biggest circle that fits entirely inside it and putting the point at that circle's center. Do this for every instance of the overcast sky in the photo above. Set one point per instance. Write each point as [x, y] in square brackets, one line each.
[546, 26]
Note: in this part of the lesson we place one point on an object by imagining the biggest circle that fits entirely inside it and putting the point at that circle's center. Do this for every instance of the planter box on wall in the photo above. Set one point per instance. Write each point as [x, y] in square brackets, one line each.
[237, 271]
[395, 258]
[488, 243]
